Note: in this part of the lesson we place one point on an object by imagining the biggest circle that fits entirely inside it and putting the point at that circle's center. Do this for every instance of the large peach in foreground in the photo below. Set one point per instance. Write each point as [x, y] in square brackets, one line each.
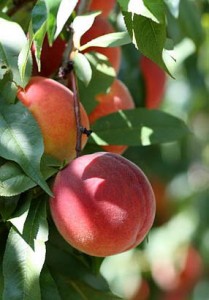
[100, 27]
[118, 98]
[103, 204]
[52, 105]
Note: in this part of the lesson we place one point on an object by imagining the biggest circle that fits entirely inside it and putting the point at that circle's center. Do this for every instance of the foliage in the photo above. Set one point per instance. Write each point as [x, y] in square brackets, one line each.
[170, 143]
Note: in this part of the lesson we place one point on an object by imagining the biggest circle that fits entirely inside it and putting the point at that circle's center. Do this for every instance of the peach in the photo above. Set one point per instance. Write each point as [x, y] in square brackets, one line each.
[143, 292]
[164, 205]
[101, 27]
[104, 6]
[175, 295]
[154, 80]
[192, 269]
[181, 274]
[52, 105]
[103, 204]
[51, 57]
[117, 98]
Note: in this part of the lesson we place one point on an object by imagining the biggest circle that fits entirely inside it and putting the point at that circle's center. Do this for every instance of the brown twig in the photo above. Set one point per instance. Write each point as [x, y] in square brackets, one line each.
[67, 73]
[77, 113]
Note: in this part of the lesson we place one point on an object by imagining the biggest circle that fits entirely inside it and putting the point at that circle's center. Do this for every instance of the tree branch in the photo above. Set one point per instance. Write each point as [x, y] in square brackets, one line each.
[77, 111]
[67, 73]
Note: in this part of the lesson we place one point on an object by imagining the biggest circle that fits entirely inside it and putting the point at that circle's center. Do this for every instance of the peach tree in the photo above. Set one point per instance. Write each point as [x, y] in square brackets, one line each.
[81, 48]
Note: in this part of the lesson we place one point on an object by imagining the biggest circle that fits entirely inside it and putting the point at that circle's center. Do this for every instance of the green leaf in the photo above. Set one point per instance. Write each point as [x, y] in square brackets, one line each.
[103, 75]
[82, 68]
[12, 41]
[8, 89]
[65, 262]
[191, 26]
[65, 10]
[3, 68]
[14, 181]
[80, 291]
[147, 28]
[48, 286]
[19, 217]
[115, 39]
[3, 3]
[20, 136]
[80, 25]
[38, 40]
[3, 234]
[137, 127]
[173, 7]
[52, 10]
[157, 9]
[150, 9]
[35, 226]
[38, 28]
[90, 293]
[52, 15]
[23, 58]
[8, 206]
[150, 39]
[38, 15]
[21, 268]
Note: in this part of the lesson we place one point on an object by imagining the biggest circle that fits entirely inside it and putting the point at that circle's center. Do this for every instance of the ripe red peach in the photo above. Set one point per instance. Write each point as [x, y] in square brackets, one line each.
[117, 98]
[104, 6]
[52, 105]
[154, 80]
[103, 204]
[143, 292]
[51, 57]
[175, 295]
[180, 275]
[101, 27]
[164, 207]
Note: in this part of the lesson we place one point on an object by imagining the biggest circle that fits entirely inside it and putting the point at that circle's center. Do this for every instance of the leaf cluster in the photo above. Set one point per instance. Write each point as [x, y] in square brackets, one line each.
[36, 262]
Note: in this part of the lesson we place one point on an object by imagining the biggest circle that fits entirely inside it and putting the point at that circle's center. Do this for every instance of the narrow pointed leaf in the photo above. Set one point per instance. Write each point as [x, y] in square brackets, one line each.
[115, 39]
[12, 41]
[19, 217]
[103, 75]
[81, 291]
[48, 286]
[82, 68]
[173, 7]
[38, 15]
[21, 268]
[23, 59]
[36, 227]
[14, 181]
[8, 206]
[150, 9]
[65, 10]
[52, 10]
[150, 39]
[80, 25]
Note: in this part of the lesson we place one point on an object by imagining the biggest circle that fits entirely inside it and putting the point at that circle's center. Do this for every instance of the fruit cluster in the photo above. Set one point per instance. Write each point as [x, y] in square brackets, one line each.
[103, 204]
